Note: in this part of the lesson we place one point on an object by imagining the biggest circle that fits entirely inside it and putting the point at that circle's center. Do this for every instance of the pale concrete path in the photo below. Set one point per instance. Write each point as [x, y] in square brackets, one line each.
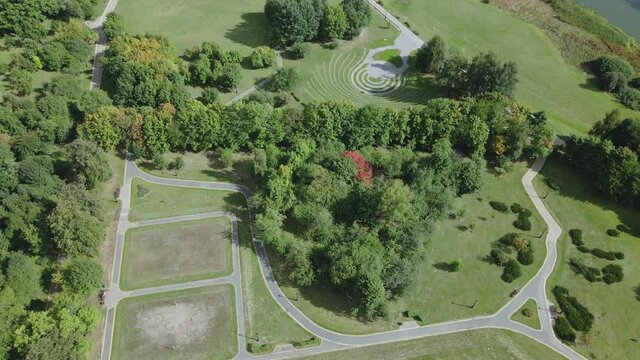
[257, 86]
[114, 294]
[98, 53]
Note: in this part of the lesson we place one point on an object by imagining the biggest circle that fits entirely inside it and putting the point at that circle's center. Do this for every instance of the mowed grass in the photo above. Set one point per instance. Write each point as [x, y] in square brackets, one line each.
[206, 166]
[577, 205]
[438, 294]
[235, 25]
[176, 252]
[532, 321]
[166, 201]
[327, 74]
[389, 55]
[546, 83]
[191, 324]
[263, 317]
[478, 344]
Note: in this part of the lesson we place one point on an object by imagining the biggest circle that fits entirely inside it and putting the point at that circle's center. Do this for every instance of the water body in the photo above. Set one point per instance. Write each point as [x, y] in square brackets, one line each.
[624, 14]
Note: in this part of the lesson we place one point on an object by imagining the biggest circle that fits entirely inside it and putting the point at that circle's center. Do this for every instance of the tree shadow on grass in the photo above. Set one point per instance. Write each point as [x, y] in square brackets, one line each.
[253, 31]
[443, 266]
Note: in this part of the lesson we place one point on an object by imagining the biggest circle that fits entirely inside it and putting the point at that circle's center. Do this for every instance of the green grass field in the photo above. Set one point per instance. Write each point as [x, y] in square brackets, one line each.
[176, 252]
[577, 206]
[165, 201]
[471, 345]
[235, 25]
[438, 294]
[547, 82]
[205, 166]
[532, 321]
[190, 324]
[327, 74]
[390, 55]
[263, 317]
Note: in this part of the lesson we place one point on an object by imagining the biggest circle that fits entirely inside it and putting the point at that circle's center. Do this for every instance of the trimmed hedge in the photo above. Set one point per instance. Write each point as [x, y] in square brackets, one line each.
[613, 232]
[563, 330]
[511, 271]
[499, 206]
[576, 237]
[577, 314]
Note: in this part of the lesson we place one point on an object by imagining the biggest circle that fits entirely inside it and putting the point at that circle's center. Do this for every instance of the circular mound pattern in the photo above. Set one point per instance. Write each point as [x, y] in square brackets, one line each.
[345, 77]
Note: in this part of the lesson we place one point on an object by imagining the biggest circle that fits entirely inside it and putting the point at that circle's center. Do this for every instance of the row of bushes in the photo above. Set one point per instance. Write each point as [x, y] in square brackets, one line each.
[617, 76]
[577, 314]
[576, 239]
[523, 221]
[611, 273]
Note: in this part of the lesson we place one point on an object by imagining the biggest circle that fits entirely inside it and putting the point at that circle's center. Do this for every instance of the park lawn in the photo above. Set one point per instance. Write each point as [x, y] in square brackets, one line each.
[389, 55]
[205, 166]
[188, 324]
[493, 344]
[264, 318]
[166, 201]
[326, 74]
[547, 82]
[577, 205]
[235, 25]
[176, 253]
[534, 320]
[437, 294]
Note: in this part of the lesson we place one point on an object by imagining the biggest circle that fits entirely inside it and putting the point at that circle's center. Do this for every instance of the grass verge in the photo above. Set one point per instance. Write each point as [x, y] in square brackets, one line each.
[532, 321]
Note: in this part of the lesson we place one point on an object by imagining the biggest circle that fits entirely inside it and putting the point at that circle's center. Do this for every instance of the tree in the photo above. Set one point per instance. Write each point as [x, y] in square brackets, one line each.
[158, 161]
[25, 18]
[209, 96]
[22, 274]
[230, 76]
[334, 22]
[88, 163]
[226, 157]
[178, 164]
[75, 231]
[262, 57]
[103, 127]
[613, 82]
[284, 79]
[432, 55]
[293, 21]
[487, 74]
[20, 81]
[630, 97]
[358, 14]
[92, 100]
[298, 50]
[612, 63]
[197, 126]
[453, 75]
[82, 276]
[113, 26]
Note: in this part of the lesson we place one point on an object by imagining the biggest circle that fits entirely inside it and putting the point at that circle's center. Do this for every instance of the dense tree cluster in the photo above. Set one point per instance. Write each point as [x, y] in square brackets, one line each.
[485, 73]
[577, 314]
[617, 76]
[212, 66]
[297, 21]
[609, 157]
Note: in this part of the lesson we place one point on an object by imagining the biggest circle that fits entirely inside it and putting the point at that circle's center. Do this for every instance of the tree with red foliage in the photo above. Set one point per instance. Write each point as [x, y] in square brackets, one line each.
[364, 172]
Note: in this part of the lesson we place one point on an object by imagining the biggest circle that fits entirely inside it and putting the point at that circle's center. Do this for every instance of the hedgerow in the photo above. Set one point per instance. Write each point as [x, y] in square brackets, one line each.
[577, 314]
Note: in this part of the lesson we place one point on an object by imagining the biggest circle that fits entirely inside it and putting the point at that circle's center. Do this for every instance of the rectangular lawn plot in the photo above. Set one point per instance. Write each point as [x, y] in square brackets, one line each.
[190, 324]
[177, 252]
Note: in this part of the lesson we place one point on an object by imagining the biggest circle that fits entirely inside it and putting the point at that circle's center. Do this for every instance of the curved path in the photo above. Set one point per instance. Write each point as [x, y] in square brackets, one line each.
[331, 341]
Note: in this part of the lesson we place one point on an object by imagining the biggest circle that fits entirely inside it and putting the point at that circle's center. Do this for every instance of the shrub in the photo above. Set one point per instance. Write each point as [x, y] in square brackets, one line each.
[635, 83]
[142, 191]
[522, 222]
[527, 313]
[584, 249]
[611, 63]
[525, 257]
[455, 266]
[226, 157]
[599, 253]
[298, 50]
[577, 314]
[255, 348]
[415, 315]
[158, 162]
[576, 237]
[613, 82]
[508, 239]
[612, 274]
[613, 232]
[262, 57]
[511, 271]
[499, 206]
[623, 228]
[519, 209]
[499, 257]
[563, 330]
[209, 96]
[630, 97]
[619, 255]
[590, 273]
[312, 341]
